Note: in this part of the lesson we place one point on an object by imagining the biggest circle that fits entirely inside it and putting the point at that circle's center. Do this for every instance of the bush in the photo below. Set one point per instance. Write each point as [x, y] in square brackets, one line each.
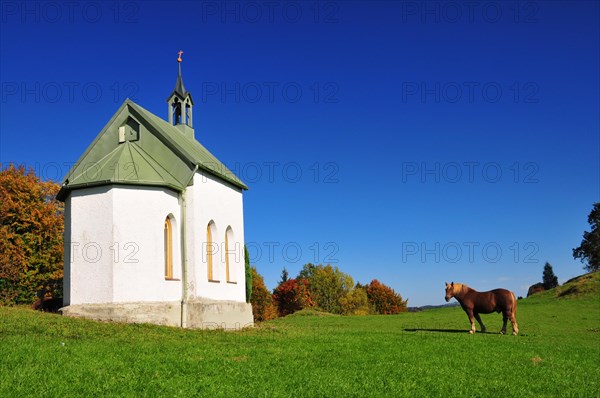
[291, 296]
[263, 307]
[535, 288]
[384, 299]
[31, 237]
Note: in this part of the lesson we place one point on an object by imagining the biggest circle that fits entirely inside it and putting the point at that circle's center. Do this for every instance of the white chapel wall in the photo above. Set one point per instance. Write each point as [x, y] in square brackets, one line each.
[210, 199]
[88, 265]
[116, 249]
[138, 231]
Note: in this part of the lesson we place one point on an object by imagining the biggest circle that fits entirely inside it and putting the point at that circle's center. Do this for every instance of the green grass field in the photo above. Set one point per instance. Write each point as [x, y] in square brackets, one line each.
[310, 354]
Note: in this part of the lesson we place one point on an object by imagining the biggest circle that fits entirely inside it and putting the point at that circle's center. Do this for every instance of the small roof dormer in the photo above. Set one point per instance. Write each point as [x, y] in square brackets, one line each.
[181, 104]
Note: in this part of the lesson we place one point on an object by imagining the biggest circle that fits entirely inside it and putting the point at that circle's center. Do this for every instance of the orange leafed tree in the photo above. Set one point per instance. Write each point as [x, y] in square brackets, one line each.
[385, 299]
[31, 236]
[292, 295]
[263, 307]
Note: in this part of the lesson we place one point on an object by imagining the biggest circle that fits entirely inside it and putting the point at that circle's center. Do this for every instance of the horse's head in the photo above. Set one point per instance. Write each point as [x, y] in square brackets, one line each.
[449, 291]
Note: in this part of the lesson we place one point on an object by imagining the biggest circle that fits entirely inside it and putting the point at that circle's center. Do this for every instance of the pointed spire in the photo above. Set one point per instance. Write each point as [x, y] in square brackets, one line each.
[180, 104]
[179, 87]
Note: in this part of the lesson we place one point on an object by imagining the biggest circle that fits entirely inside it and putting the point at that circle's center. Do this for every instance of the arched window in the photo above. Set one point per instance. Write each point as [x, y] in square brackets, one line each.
[168, 236]
[229, 243]
[209, 250]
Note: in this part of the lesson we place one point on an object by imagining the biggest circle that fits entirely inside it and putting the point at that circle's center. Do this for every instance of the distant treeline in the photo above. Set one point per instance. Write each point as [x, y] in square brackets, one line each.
[325, 288]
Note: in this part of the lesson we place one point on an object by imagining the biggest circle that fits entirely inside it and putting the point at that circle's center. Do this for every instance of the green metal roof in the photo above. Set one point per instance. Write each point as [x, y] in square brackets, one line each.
[152, 152]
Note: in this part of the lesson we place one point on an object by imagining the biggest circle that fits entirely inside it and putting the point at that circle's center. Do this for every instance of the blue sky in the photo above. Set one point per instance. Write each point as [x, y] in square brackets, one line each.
[411, 142]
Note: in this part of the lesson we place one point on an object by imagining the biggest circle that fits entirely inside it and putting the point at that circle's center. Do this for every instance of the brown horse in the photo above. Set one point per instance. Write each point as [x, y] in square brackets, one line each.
[475, 303]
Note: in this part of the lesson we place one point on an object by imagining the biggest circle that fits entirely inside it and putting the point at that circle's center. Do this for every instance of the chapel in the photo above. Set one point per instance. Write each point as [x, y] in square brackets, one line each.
[154, 224]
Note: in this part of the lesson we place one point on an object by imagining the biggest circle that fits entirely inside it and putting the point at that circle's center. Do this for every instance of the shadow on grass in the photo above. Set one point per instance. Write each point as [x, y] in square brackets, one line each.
[444, 331]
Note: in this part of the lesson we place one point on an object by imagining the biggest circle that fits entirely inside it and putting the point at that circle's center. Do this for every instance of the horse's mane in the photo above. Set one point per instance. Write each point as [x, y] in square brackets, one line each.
[459, 288]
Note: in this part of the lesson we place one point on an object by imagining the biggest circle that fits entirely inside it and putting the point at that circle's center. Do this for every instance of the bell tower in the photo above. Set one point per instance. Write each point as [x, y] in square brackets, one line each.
[180, 105]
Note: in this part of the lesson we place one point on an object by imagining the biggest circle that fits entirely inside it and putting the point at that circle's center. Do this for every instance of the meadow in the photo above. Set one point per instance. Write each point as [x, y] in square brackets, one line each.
[312, 354]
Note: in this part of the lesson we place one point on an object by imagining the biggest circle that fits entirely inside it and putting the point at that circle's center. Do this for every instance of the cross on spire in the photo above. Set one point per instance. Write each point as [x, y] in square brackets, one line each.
[180, 53]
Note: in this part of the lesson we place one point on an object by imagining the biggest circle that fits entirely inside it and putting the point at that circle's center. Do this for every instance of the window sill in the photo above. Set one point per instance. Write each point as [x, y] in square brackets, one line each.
[233, 283]
[214, 281]
[172, 279]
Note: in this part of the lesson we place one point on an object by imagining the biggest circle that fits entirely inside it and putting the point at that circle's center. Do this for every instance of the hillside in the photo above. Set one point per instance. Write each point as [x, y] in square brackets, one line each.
[427, 353]
[586, 286]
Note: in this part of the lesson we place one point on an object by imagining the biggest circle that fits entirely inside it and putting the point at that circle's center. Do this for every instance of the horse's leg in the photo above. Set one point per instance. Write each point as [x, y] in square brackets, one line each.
[480, 322]
[513, 321]
[504, 320]
[513, 316]
[470, 315]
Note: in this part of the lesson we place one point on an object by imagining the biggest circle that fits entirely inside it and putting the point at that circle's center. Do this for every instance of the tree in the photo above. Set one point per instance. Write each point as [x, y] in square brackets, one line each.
[307, 271]
[589, 250]
[291, 296]
[328, 286]
[549, 280]
[284, 276]
[263, 307]
[385, 299]
[31, 237]
[356, 302]
[248, 275]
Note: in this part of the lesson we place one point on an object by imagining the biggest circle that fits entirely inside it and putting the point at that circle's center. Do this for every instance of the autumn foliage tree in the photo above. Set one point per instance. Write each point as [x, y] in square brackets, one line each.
[31, 236]
[384, 299]
[356, 302]
[328, 286]
[263, 307]
[292, 295]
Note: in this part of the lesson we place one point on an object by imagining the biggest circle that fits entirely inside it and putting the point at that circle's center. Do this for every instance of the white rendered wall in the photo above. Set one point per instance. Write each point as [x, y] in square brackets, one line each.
[116, 253]
[138, 231]
[210, 199]
[88, 237]
[67, 253]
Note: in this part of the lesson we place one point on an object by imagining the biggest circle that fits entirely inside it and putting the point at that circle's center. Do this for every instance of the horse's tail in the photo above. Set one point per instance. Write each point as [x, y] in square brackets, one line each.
[514, 303]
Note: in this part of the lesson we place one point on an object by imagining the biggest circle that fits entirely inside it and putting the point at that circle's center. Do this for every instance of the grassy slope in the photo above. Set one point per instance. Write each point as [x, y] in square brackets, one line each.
[416, 354]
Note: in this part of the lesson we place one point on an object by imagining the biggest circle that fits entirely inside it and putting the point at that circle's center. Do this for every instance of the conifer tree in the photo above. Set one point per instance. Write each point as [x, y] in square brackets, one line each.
[549, 280]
